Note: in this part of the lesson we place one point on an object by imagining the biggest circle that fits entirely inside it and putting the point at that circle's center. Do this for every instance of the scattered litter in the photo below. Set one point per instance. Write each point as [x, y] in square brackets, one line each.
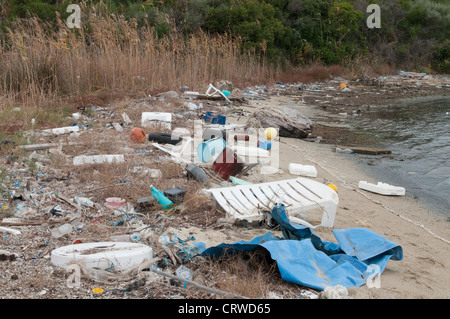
[302, 170]
[62, 130]
[114, 202]
[102, 255]
[138, 135]
[98, 159]
[382, 188]
[315, 263]
[161, 198]
[248, 202]
[62, 230]
[9, 230]
[152, 119]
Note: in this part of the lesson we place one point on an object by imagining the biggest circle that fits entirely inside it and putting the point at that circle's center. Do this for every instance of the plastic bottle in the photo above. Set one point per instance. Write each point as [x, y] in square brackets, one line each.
[133, 238]
[196, 172]
[303, 170]
[184, 272]
[160, 198]
[62, 230]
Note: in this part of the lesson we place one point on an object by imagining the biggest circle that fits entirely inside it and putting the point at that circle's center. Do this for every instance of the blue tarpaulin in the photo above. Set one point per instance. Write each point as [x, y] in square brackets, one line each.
[303, 258]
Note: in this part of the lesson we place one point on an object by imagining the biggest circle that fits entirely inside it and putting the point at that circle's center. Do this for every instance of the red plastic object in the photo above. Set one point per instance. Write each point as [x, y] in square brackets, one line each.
[228, 164]
[138, 135]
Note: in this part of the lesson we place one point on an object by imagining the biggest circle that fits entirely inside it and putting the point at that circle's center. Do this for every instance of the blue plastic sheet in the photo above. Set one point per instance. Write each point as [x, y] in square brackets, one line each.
[303, 258]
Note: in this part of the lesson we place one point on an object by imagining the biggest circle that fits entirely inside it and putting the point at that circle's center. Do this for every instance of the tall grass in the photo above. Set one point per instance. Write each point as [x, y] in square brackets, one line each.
[41, 63]
[112, 53]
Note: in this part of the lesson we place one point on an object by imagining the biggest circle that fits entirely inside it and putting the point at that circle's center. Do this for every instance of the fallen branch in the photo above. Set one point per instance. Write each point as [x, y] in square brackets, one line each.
[213, 290]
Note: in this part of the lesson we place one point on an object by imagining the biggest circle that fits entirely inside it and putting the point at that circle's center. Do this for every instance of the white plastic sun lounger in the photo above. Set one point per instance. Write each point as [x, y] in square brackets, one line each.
[246, 202]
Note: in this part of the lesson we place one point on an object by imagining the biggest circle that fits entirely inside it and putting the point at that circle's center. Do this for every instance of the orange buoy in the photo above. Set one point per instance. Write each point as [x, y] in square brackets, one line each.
[137, 135]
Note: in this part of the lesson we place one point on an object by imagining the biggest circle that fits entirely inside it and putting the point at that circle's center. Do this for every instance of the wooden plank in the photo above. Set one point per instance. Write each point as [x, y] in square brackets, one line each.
[366, 150]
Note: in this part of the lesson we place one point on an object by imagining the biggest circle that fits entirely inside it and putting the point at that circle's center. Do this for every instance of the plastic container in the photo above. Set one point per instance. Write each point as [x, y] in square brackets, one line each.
[210, 149]
[211, 133]
[62, 230]
[103, 255]
[303, 170]
[184, 272]
[269, 170]
[175, 194]
[114, 202]
[130, 238]
[197, 172]
[149, 119]
[137, 135]
[228, 164]
[215, 119]
[264, 144]
[250, 151]
[160, 198]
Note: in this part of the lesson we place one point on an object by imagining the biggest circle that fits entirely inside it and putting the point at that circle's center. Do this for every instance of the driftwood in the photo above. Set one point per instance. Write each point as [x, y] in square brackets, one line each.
[289, 122]
[366, 150]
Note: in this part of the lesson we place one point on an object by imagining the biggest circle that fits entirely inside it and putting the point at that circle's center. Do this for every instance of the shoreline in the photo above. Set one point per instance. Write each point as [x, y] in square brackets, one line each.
[422, 233]
[424, 238]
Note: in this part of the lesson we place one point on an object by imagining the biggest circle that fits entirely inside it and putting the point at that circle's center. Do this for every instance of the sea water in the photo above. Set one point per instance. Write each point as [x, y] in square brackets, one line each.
[417, 131]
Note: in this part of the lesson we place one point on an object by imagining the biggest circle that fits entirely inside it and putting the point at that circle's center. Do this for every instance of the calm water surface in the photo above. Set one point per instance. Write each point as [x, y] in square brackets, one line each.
[418, 133]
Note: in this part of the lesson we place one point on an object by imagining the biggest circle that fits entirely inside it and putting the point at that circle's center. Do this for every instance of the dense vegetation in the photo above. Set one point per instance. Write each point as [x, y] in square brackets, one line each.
[414, 34]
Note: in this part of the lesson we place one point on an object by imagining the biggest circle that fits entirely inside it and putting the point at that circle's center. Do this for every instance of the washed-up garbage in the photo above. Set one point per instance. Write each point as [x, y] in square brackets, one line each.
[227, 164]
[215, 119]
[176, 194]
[211, 133]
[164, 138]
[161, 198]
[137, 135]
[62, 130]
[98, 159]
[210, 149]
[152, 119]
[62, 230]
[302, 170]
[114, 202]
[264, 144]
[382, 188]
[304, 259]
[197, 172]
[102, 255]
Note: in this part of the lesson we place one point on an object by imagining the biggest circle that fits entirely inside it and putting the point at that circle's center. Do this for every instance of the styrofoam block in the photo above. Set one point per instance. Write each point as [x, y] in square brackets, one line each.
[103, 255]
[382, 188]
[98, 159]
[62, 130]
[149, 119]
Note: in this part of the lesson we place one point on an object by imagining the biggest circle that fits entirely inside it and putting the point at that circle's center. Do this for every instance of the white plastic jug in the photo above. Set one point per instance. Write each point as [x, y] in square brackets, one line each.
[303, 170]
